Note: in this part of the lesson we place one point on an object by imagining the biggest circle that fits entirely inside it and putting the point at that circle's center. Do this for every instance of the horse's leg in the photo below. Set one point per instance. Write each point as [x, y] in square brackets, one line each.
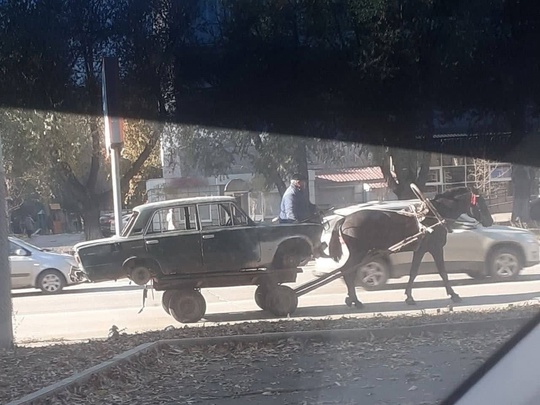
[438, 257]
[349, 276]
[417, 259]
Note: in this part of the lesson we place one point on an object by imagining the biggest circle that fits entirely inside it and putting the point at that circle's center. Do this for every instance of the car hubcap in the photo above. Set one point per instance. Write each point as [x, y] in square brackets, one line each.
[371, 274]
[506, 265]
[51, 283]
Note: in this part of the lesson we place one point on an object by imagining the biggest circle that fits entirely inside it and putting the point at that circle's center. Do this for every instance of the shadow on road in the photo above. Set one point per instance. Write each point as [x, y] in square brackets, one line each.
[377, 307]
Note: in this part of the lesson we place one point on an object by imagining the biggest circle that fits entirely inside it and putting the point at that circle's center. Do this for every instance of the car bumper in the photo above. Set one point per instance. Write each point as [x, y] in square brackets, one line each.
[76, 275]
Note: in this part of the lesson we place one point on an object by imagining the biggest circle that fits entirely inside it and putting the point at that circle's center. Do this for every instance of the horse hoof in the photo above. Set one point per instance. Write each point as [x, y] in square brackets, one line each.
[348, 302]
[358, 305]
[410, 301]
[456, 298]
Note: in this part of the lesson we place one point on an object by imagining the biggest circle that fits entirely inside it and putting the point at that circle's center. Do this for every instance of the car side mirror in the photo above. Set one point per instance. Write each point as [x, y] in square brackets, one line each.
[20, 252]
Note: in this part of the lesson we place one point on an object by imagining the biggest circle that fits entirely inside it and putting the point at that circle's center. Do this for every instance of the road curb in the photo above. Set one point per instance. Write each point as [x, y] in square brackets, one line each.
[322, 335]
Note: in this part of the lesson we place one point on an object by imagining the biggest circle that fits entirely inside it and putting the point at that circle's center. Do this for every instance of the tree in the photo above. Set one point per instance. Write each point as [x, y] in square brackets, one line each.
[401, 167]
[65, 153]
[274, 157]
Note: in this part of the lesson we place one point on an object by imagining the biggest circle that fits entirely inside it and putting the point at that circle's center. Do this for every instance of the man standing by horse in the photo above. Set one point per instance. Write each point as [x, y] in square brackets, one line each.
[295, 204]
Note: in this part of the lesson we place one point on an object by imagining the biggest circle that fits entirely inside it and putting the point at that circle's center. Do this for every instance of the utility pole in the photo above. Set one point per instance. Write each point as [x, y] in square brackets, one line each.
[6, 309]
[114, 137]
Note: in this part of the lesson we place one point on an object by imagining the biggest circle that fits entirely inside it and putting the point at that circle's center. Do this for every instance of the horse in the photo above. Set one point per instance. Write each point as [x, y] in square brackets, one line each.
[371, 231]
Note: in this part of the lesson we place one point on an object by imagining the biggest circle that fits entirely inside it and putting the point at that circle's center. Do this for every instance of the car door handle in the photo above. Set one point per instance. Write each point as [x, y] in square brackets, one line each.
[208, 236]
[152, 242]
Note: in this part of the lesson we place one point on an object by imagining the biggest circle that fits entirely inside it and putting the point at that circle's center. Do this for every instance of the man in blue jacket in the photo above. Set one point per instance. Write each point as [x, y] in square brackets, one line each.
[295, 204]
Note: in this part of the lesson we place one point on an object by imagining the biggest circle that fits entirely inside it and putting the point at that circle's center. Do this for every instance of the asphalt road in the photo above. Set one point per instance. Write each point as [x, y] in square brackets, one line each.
[88, 311]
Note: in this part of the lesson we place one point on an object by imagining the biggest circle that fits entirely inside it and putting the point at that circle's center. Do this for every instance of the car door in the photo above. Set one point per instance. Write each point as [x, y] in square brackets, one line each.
[229, 239]
[464, 250]
[174, 240]
[22, 266]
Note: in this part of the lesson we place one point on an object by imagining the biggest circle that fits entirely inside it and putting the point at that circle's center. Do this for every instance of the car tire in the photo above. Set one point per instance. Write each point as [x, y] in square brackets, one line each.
[140, 275]
[51, 281]
[187, 306]
[505, 263]
[373, 275]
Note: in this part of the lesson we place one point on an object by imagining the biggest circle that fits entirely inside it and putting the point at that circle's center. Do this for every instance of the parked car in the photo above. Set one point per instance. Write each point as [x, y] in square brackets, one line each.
[125, 220]
[105, 224]
[210, 239]
[499, 252]
[34, 267]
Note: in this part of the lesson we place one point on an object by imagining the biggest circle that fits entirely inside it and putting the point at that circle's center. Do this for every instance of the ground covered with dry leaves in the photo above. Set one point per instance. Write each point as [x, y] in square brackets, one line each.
[384, 372]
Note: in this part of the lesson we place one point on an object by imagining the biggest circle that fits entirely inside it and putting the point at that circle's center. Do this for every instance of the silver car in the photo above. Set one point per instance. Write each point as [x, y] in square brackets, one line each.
[499, 252]
[34, 267]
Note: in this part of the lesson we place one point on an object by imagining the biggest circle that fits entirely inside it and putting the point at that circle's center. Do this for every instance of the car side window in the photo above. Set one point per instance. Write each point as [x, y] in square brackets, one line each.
[239, 218]
[212, 215]
[173, 219]
[221, 215]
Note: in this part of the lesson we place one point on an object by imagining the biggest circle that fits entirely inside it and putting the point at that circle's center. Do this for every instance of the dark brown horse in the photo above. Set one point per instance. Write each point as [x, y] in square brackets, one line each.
[371, 230]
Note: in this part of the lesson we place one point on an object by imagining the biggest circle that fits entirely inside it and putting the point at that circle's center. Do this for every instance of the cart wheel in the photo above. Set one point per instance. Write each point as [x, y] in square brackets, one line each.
[281, 300]
[166, 300]
[187, 306]
[260, 297]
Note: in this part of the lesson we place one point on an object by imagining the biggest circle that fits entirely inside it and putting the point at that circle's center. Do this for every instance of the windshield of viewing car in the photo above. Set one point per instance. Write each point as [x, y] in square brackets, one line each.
[283, 109]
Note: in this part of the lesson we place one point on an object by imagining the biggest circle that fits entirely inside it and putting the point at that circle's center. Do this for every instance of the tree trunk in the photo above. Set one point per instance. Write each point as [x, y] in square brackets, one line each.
[90, 214]
[302, 162]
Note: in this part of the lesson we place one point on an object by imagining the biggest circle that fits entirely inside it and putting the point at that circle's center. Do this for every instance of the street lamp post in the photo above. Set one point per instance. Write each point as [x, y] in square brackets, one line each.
[114, 138]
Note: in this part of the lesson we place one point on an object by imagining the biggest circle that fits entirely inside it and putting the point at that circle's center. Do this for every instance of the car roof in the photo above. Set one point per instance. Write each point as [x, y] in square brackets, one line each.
[184, 201]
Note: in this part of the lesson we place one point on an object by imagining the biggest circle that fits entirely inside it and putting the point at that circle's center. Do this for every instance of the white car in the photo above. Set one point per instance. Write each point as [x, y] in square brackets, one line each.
[125, 220]
[500, 252]
[34, 267]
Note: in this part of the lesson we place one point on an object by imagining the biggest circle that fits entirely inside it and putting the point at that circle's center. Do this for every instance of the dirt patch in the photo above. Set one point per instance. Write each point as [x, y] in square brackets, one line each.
[401, 370]
[26, 369]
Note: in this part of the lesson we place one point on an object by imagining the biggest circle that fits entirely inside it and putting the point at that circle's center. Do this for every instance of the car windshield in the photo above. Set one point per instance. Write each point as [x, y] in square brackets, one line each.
[131, 219]
[204, 117]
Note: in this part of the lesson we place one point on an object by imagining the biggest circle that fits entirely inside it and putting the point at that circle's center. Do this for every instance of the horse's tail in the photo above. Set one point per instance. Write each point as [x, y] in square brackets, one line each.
[334, 247]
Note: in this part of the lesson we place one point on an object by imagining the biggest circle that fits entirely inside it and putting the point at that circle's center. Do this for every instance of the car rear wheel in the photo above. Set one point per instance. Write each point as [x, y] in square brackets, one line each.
[373, 275]
[505, 263]
[51, 281]
[187, 306]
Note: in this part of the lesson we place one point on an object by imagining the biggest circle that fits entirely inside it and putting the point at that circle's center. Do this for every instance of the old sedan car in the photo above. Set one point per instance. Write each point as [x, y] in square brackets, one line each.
[499, 252]
[34, 267]
[186, 244]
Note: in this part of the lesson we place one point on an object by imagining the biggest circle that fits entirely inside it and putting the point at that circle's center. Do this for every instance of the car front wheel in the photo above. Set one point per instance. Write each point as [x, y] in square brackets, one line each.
[505, 264]
[373, 275]
[51, 281]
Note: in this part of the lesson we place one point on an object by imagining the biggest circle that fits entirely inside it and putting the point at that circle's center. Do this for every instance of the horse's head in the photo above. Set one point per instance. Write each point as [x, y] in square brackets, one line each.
[478, 208]
[458, 201]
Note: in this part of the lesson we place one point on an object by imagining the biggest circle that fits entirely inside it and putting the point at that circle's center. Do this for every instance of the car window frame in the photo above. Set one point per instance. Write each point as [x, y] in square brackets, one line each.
[167, 232]
[249, 221]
